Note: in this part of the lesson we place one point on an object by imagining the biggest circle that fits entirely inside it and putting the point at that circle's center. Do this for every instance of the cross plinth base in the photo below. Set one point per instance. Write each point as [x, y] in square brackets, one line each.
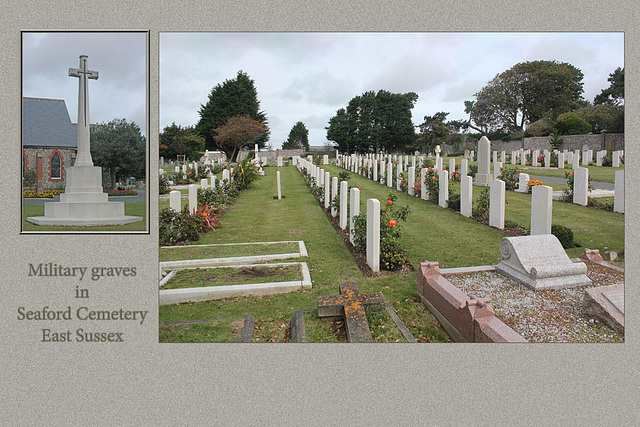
[84, 203]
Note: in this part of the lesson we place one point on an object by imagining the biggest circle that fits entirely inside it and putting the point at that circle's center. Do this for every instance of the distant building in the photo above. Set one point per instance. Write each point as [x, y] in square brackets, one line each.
[49, 141]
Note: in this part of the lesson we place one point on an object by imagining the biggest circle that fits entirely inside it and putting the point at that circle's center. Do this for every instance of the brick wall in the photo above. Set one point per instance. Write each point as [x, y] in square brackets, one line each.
[45, 182]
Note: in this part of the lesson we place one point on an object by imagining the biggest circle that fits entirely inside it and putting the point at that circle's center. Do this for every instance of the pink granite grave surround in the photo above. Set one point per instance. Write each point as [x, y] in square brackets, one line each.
[465, 317]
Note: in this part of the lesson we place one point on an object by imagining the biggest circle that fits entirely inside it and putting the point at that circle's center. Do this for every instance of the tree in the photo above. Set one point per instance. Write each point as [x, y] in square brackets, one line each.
[298, 137]
[525, 93]
[176, 140]
[614, 94]
[119, 147]
[237, 133]
[237, 97]
[603, 116]
[434, 129]
[374, 121]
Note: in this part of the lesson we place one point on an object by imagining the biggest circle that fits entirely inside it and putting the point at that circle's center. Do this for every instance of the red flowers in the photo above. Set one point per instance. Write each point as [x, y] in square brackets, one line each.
[390, 202]
[359, 188]
[393, 223]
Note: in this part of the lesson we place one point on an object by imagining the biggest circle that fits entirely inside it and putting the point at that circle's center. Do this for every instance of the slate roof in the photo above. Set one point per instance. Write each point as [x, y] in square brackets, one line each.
[46, 123]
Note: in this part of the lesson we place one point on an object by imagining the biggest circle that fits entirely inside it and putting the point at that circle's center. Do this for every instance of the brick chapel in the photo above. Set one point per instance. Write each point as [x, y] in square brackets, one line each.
[49, 141]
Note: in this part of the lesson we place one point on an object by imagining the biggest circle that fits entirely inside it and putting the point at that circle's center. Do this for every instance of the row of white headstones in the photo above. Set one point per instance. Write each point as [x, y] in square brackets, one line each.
[367, 166]
[323, 179]
[175, 196]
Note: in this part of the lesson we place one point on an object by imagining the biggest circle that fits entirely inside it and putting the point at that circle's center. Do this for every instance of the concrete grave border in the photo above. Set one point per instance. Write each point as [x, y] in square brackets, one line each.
[213, 262]
[209, 293]
[467, 319]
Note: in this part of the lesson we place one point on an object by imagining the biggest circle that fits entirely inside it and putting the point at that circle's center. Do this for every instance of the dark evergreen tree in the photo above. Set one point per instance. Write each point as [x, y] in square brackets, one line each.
[298, 137]
[232, 98]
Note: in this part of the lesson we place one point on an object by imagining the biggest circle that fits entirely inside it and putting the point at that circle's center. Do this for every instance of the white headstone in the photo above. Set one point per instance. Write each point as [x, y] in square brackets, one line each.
[452, 167]
[373, 234]
[334, 193]
[540, 262]
[325, 159]
[560, 160]
[423, 185]
[443, 187]
[375, 170]
[175, 201]
[464, 168]
[327, 190]
[466, 196]
[497, 170]
[618, 200]
[278, 184]
[354, 211]
[541, 209]
[547, 159]
[615, 159]
[193, 198]
[279, 160]
[398, 179]
[523, 178]
[390, 175]
[204, 183]
[483, 177]
[496, 204]
[411, 180]
[580, 186]
[344, 200]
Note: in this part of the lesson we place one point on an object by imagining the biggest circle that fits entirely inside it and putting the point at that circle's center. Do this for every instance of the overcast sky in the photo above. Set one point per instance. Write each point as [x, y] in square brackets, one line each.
[308, 76]
[119, 58]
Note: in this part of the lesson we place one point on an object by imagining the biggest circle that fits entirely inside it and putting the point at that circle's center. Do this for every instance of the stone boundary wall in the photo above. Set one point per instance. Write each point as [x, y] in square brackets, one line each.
[595, 142]
[273, 154]
[464, 318]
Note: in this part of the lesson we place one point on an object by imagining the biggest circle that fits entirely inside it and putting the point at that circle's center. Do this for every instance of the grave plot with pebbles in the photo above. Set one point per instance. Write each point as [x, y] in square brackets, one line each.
[552, 315]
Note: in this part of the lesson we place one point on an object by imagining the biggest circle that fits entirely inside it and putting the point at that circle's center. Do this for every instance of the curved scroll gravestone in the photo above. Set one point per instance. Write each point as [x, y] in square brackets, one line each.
[540, 262]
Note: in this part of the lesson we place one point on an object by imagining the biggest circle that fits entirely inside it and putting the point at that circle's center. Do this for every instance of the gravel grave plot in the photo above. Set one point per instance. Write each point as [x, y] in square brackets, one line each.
[552, 315]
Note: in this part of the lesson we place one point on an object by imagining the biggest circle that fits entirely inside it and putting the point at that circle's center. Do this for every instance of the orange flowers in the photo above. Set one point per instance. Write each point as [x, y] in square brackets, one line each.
[393, 223]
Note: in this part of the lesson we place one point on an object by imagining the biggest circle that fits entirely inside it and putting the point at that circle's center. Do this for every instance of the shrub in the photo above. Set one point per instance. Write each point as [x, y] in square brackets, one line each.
[30, 178]
[344, 176]
[555, 141]
[572, 124]
[482, 206]
[163, 185]
[180, 227]
[392, 255]
[564, 235]
[473, 170]
[245, 173]
[607, 160]
[511, 178]
[454, 202]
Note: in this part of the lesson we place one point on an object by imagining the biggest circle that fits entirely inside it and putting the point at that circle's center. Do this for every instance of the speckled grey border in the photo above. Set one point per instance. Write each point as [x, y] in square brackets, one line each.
[143, 382]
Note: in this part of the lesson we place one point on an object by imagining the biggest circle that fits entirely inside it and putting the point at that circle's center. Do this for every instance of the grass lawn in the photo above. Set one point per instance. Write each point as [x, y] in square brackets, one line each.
[130, 208]
[430, 233]
[256, 216]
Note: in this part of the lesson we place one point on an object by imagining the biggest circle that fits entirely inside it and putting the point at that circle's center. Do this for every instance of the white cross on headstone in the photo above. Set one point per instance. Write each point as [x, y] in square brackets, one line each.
[84, 152]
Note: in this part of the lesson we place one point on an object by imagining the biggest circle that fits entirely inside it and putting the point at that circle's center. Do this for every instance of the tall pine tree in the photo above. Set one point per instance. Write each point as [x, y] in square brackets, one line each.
[298, 137]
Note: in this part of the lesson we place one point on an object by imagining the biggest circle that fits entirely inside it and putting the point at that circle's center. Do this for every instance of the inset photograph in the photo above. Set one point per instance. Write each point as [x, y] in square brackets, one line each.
[391, 188]
[84, 125]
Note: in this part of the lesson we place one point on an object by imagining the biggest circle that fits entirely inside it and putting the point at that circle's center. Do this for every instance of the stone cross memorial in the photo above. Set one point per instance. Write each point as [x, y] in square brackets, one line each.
[83, 202]
[350, 304]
